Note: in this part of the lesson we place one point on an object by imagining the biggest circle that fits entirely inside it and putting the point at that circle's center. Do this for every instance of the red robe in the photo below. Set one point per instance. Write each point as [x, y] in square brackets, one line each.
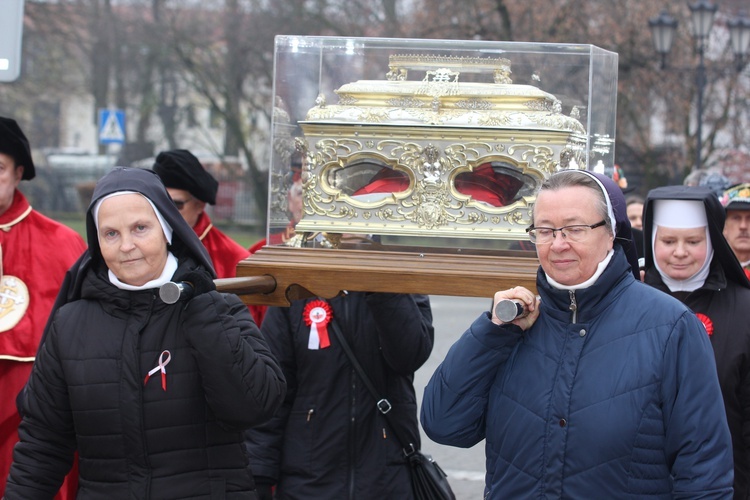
[225, 254]
[37, 251]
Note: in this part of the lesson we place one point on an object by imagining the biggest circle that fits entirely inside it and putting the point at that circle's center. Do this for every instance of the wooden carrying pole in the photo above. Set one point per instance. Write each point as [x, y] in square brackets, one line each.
[246, 286]
[279, 275]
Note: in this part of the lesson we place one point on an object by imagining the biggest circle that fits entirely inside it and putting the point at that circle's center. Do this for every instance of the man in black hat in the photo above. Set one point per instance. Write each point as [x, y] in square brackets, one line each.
[35, 253]
[191, 188]
[736, 201]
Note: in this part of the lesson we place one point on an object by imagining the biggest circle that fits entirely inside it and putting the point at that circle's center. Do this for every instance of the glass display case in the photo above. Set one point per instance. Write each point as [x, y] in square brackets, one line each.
[424, 154]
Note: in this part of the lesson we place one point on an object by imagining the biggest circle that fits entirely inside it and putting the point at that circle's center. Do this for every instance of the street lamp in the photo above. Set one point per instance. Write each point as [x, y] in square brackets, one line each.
[739, 35]
[702, 13]
[663, 27]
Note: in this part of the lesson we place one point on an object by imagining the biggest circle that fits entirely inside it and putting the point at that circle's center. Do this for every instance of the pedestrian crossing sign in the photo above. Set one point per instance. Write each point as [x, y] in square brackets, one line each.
[111, 126]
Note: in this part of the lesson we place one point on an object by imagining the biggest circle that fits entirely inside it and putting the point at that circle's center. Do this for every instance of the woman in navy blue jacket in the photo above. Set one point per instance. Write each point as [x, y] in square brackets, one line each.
[606, 389]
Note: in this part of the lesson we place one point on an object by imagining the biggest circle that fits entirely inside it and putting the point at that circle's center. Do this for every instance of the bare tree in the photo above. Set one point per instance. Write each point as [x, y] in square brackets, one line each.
[644, 92]
[147, 56]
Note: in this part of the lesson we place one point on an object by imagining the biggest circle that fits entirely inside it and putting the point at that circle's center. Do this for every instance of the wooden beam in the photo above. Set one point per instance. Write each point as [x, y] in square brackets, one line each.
[304, 272]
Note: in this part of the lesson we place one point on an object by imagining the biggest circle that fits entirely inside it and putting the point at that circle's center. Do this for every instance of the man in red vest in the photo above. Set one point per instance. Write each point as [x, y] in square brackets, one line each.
[35, 253]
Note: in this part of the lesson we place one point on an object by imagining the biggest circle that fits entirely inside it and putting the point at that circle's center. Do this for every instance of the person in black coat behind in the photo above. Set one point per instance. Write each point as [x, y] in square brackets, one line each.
[328, 440]
[688, 257]
[154, 397]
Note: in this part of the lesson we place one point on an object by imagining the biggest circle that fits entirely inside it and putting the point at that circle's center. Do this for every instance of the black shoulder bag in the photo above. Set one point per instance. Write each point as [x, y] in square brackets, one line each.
[428, 480]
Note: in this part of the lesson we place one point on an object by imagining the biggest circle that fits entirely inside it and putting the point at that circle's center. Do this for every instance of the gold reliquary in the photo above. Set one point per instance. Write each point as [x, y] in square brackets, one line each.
[434, 156]
[395, 159]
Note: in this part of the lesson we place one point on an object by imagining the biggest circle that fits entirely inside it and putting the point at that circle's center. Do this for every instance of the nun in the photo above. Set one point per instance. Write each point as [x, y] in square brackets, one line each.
[605, 388]
[153, 397]
[688, 258]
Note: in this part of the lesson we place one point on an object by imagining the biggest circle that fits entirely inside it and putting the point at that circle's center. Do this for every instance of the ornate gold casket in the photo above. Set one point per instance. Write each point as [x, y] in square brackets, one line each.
[412, 165]
[427, 137]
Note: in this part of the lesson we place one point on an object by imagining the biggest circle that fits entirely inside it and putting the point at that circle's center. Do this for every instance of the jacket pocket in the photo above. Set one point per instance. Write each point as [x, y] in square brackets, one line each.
[299, 440]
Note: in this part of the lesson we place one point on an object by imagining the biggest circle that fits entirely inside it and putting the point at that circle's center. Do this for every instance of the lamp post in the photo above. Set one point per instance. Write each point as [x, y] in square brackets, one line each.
[739, 35]
[663, 27]
[702, 13]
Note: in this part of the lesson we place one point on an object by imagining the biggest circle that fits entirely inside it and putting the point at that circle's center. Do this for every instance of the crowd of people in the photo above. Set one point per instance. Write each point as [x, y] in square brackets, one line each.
[627, 375]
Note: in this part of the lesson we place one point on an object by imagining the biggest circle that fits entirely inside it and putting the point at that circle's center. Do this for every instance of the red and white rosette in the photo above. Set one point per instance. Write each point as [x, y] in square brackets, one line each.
[317, 315]
[707, 323]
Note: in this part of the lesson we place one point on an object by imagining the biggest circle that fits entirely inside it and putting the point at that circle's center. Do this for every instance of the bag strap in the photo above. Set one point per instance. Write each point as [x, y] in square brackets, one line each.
[382, 404]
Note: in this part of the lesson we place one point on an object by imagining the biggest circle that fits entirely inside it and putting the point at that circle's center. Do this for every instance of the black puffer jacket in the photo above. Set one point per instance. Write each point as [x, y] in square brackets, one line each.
[721, 301]
[328, 440]
[141, 433]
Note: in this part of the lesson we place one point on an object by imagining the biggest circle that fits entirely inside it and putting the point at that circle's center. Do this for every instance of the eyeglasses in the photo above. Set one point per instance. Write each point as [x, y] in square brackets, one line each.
[180, 204]
[576, 233]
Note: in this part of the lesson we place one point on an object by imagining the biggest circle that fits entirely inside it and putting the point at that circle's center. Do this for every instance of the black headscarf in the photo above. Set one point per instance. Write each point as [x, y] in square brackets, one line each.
[723, 253]
[184, 240]
[622, 229]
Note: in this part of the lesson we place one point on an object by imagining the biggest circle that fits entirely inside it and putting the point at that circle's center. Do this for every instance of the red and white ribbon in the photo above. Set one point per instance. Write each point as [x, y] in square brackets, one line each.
[161, 367]
[317, 315]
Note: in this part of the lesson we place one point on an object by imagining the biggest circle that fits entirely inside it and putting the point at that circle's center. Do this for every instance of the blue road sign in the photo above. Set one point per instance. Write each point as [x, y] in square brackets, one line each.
[111, 126]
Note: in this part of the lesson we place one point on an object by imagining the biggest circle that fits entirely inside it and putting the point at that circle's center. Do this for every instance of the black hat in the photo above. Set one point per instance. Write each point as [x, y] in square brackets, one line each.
[180, 169]
[14, 143]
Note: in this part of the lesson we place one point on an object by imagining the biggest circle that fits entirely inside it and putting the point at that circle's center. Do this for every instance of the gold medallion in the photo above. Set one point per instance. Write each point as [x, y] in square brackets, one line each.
[14, 300]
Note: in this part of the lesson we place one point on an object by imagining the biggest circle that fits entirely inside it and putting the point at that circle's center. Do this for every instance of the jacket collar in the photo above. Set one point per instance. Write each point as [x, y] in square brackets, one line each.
[589, 301]
[17, 211]
[202, 226]
[96, 286]
[716, 279]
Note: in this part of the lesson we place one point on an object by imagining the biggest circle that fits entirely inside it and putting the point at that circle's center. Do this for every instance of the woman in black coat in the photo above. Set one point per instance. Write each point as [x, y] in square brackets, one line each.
[329, 440]
[687, 257]
[154, 397]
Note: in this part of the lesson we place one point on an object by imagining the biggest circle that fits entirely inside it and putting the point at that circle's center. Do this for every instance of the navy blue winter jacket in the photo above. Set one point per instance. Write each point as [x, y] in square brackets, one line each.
[612, 393]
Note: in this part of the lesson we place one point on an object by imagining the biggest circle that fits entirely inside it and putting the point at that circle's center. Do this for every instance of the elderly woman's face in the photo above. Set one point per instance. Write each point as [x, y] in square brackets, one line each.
[680, 253]
[571, 263]
[131, 239]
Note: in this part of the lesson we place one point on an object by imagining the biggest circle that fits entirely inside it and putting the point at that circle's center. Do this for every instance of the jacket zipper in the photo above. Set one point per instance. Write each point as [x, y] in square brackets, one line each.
[352, 435]
[573, 306]
[352, 409]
